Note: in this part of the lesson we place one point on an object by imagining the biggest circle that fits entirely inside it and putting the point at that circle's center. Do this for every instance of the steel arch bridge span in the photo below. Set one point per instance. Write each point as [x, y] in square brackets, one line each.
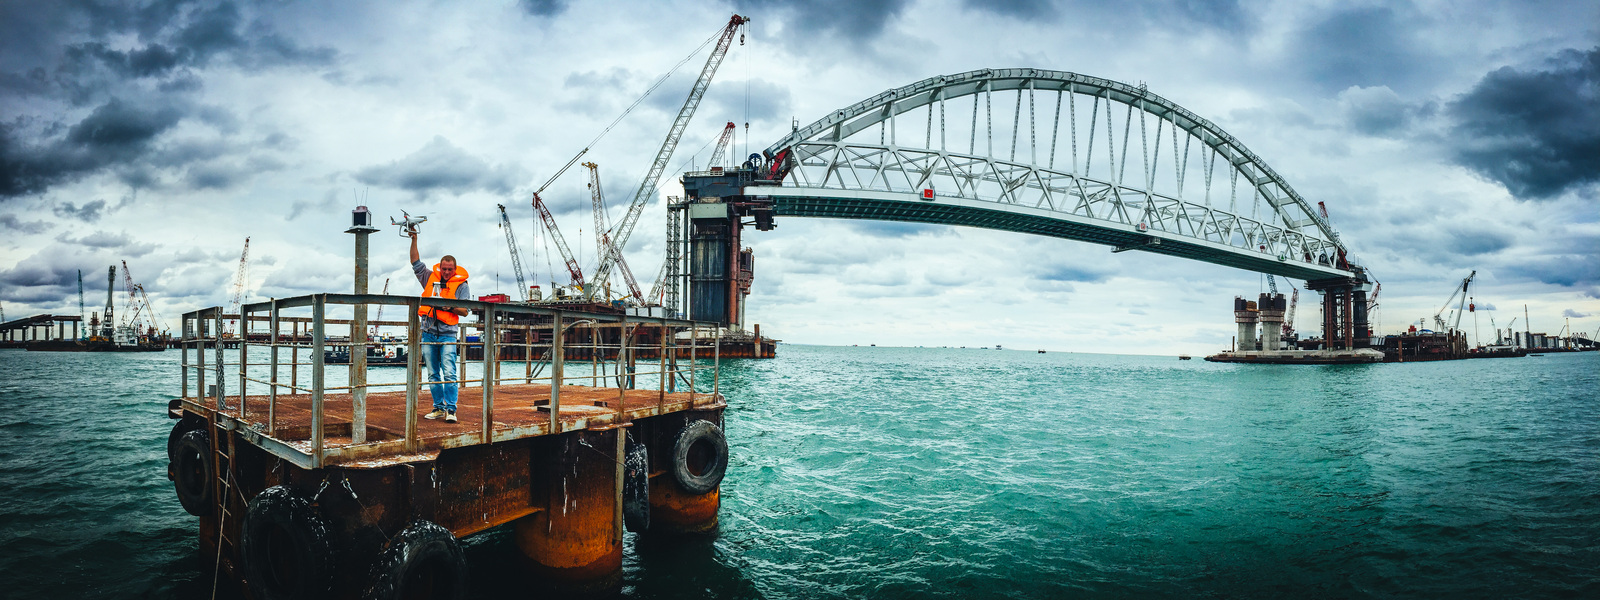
[1066, 155]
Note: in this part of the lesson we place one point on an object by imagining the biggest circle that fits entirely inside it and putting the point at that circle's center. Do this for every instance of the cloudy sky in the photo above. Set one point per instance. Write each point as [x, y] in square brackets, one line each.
[1443, 137]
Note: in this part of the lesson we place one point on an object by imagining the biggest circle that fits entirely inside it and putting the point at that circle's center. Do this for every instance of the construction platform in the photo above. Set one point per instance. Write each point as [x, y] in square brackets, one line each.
[1300, 357]
[311, 486]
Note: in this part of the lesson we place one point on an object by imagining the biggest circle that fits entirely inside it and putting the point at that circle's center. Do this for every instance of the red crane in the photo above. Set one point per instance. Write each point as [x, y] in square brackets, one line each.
[722, 146]
[561, 243]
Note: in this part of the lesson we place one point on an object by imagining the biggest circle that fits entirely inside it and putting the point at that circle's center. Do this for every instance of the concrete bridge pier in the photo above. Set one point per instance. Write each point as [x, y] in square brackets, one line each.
[1272, 308]
[1246, 314]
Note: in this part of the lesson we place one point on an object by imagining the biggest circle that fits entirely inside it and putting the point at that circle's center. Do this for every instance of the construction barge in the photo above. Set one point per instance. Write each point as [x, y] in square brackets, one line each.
[310, 486]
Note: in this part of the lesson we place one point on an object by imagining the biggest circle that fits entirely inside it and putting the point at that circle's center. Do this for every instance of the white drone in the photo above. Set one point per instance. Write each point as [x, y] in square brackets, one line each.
[408, 225]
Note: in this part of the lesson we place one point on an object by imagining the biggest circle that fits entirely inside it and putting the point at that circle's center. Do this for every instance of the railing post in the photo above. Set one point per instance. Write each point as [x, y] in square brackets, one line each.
[661, 379]
[318, 332]
[244, 361]
[413, 370]
[272, 389]
[716, 364]
[183, 355]
[200, 323]
[622, 365]
[487, 334]
[558, 367]
[222, 391]
[358, 367]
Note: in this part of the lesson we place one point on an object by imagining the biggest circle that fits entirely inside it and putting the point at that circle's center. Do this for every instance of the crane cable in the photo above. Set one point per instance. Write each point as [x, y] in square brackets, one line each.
[630, 108]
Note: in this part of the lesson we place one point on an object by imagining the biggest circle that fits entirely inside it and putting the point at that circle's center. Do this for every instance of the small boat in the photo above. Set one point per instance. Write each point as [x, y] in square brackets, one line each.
[1041, 352]
[1183, 357]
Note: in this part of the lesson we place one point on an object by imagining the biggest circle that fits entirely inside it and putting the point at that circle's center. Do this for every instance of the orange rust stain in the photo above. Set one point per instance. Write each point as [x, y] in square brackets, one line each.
[674, 511]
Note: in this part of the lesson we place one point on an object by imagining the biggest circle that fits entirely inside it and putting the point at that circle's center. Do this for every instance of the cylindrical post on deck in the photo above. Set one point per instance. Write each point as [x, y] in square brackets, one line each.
[361, 226]
[576, 541]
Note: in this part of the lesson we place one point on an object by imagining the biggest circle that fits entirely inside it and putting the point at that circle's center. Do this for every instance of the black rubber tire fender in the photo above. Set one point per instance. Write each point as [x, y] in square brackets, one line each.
[699, 457]
[636, 486]
[286, 547]
[423, 561]
[193, 472]
[184, 425]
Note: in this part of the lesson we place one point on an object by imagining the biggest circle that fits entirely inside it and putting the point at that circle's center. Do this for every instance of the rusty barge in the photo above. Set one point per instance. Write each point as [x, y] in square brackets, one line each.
[310, 480]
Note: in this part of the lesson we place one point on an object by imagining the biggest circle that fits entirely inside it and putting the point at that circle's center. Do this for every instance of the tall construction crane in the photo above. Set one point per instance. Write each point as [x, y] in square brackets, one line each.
[108, 327]
[81, 313]
[722, 146]
[131, 306]
[516, 257]
[379, 316]
[1288, 321]
[602, 240]
[561, 242]
[241, 280]
[647, 188]
[1461, 290]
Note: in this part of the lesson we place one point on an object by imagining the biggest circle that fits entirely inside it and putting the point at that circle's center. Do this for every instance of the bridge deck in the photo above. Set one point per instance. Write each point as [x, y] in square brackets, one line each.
[894, 206]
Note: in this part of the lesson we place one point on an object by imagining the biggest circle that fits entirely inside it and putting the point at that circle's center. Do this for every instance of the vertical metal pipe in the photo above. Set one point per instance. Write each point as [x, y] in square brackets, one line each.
[272, 389]
[244, 361]
[716, 364]
[358, 348]
[318, 315]
[183, 354]
[201, 323]
[661, 378]
[413, 372]
[222, 391]
[294, 360]
[490, 366]
[557, 370]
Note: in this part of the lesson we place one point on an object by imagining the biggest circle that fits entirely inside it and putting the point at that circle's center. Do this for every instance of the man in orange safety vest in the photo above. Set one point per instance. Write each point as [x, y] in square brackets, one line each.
[439, 328]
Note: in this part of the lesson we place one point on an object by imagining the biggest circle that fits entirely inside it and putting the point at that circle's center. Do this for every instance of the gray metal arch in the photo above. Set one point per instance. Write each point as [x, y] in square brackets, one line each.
[836, 160]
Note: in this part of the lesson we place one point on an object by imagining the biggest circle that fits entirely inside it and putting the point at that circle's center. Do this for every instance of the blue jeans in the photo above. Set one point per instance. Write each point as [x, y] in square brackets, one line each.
[441, 364]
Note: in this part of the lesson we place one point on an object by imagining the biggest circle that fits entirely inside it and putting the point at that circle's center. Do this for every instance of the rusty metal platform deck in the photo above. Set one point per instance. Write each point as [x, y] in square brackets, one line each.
[519, 411]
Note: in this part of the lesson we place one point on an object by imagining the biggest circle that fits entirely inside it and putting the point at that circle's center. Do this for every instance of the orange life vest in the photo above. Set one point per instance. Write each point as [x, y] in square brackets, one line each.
[444, 316]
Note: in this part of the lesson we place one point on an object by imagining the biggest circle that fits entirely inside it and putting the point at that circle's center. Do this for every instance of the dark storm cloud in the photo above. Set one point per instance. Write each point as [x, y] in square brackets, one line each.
[1572, 314]
[543, 8]
[13, 223]
[116, 132]
[1537, 132]
[1364, 46]
[75, 55]
[852, 20]
[120, 243]
[88, 213]
[439, 165]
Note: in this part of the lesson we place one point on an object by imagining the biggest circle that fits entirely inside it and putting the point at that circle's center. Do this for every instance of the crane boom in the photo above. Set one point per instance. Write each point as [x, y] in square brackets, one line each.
[1461, 290]
[240, 281]
[82, 320]
[516, 256]
[722, 146]
[603, 241]
[1288, 322]
[132, 304]
[647, 188]
[379, 316]
[561, 243]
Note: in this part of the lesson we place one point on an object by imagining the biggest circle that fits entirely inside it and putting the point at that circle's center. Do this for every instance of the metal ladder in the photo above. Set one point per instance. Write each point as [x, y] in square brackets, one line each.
[224, 493]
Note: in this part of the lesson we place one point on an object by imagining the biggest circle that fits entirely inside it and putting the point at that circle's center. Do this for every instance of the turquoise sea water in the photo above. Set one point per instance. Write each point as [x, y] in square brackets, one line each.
[914, 473]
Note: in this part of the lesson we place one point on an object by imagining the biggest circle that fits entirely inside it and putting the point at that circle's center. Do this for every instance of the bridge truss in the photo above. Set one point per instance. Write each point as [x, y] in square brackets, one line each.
[1059, 164]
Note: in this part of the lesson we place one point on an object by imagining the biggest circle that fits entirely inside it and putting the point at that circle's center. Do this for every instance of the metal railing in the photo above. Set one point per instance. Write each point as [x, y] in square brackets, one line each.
[543, 336]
